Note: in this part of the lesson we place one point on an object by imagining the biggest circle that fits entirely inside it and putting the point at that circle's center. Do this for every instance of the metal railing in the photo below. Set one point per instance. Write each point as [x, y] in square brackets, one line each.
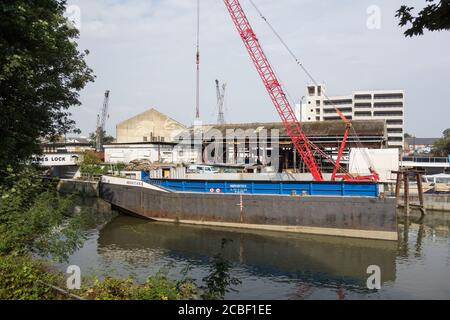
[426, 159]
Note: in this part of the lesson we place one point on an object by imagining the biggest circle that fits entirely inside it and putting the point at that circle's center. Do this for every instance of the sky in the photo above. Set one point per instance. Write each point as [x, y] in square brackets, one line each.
[144, 52]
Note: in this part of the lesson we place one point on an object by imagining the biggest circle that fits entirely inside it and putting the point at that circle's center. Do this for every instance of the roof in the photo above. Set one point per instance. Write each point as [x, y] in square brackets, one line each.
[421, 141]
[311, 129]
[152, 110]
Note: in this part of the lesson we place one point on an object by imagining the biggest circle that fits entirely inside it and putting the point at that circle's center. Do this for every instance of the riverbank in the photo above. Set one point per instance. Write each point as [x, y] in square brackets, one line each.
[27, 278]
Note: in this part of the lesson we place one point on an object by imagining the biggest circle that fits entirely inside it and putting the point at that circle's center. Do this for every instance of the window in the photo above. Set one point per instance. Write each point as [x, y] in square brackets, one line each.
[363, 97]
[338, 102]
[318, 103]
[394, 130]
[388, 105]
[363, 105]
[145, 139]
[319, 91]
[394, 122]
[318, 111]
[363, 113]
[317, 118]
[388, 113]
[395, 139]
[311, 91]
[386, 96]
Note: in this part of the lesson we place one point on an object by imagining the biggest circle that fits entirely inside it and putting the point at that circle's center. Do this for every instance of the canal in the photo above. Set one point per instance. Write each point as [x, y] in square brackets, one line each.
[273, 265]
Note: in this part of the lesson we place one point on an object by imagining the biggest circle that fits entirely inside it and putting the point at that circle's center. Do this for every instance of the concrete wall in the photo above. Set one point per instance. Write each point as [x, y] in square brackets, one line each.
[84, 188]
[432, 201]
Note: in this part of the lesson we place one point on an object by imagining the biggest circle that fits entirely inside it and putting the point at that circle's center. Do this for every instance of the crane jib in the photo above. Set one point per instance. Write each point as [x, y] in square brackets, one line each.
[273, 87]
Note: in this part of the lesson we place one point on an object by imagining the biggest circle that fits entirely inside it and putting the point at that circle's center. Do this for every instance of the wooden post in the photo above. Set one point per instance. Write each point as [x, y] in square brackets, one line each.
[406, 181]
[398, 186]
[420, 189]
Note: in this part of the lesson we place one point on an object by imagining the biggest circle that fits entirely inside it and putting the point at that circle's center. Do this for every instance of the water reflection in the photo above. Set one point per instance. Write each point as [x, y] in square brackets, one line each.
[278, 265]
[319, 261]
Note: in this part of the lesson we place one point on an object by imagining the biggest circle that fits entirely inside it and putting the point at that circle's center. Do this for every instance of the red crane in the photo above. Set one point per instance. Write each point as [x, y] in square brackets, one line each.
[305, 148]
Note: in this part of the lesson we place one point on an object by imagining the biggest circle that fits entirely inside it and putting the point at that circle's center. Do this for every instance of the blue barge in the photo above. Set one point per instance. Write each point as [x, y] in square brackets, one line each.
[343, 189]
[356, 210]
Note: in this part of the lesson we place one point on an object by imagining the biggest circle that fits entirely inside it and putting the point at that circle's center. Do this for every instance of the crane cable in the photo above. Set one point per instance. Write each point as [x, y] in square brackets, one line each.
[300, 64]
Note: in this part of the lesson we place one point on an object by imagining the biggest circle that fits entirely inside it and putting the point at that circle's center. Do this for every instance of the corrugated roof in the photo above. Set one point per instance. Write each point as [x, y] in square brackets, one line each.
[312, 129]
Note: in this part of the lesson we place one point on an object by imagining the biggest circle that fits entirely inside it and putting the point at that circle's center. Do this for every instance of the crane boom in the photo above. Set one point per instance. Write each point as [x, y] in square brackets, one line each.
[274, 88]
[101, 122]
[220, 102]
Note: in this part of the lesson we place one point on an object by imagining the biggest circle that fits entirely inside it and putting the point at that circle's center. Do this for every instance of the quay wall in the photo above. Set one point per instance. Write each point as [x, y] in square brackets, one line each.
[84, 188]
[434, 202]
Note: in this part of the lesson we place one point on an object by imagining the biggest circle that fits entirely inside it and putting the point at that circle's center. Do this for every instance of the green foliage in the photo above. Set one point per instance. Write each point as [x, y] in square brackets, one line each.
[219, 280]
[41, 73]
[21, 279]
[91, 165]
[434, 17]
[442, 146]
[35, 218]
[106, 138]
[158, 287]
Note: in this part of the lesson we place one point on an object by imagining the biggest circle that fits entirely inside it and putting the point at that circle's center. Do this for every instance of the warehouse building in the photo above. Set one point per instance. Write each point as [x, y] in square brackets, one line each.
[157, 138]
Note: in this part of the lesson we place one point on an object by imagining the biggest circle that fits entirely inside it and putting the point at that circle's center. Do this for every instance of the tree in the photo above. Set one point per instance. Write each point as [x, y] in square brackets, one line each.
[34, 218]
[446, 133]
[41, 74]
[442, 146]
[106, 138]
[434, 17]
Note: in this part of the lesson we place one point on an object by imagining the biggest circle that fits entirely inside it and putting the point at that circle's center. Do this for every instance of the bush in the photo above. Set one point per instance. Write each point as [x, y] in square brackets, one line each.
[157, 287]
[20, 279]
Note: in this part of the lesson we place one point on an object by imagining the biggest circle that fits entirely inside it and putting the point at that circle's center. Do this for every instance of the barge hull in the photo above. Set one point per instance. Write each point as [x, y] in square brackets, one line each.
[356, 217]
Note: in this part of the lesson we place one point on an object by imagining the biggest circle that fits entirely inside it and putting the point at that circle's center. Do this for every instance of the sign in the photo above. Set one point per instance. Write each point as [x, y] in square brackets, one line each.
[55, 160]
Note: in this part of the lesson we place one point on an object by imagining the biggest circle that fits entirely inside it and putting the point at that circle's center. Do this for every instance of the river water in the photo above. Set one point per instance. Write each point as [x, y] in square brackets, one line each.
[273, 265]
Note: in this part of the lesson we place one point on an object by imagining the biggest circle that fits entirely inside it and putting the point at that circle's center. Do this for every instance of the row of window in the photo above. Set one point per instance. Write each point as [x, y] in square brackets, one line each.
[379, 96]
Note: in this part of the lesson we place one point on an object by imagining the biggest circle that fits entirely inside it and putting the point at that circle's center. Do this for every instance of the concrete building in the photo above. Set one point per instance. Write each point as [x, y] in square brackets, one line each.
[67, 145]
[387, 105]
[149, 126]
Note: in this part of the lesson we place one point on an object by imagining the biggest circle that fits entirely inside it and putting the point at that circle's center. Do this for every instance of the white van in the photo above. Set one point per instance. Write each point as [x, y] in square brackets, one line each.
[202, 169]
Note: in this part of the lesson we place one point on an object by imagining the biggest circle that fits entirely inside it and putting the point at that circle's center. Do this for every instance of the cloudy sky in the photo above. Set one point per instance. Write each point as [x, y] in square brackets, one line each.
[144, 52]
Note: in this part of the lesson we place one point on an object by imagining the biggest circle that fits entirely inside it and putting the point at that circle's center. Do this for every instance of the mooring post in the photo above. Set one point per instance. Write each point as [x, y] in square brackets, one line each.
[398, 186]
[406, 181]
[421, 198]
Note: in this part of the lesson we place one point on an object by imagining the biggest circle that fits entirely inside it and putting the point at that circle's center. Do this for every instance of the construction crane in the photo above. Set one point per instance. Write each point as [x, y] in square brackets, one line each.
[101, 123]
[303, 145]
[221, 102]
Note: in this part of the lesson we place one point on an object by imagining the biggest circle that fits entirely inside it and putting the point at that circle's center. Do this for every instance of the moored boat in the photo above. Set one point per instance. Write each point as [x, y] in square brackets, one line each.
[349, 209]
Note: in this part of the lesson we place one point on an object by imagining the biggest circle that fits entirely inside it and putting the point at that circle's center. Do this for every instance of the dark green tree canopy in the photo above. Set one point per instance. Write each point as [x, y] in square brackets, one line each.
[434, 17]
[41, 73]
[442, 145]
[107, 139]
